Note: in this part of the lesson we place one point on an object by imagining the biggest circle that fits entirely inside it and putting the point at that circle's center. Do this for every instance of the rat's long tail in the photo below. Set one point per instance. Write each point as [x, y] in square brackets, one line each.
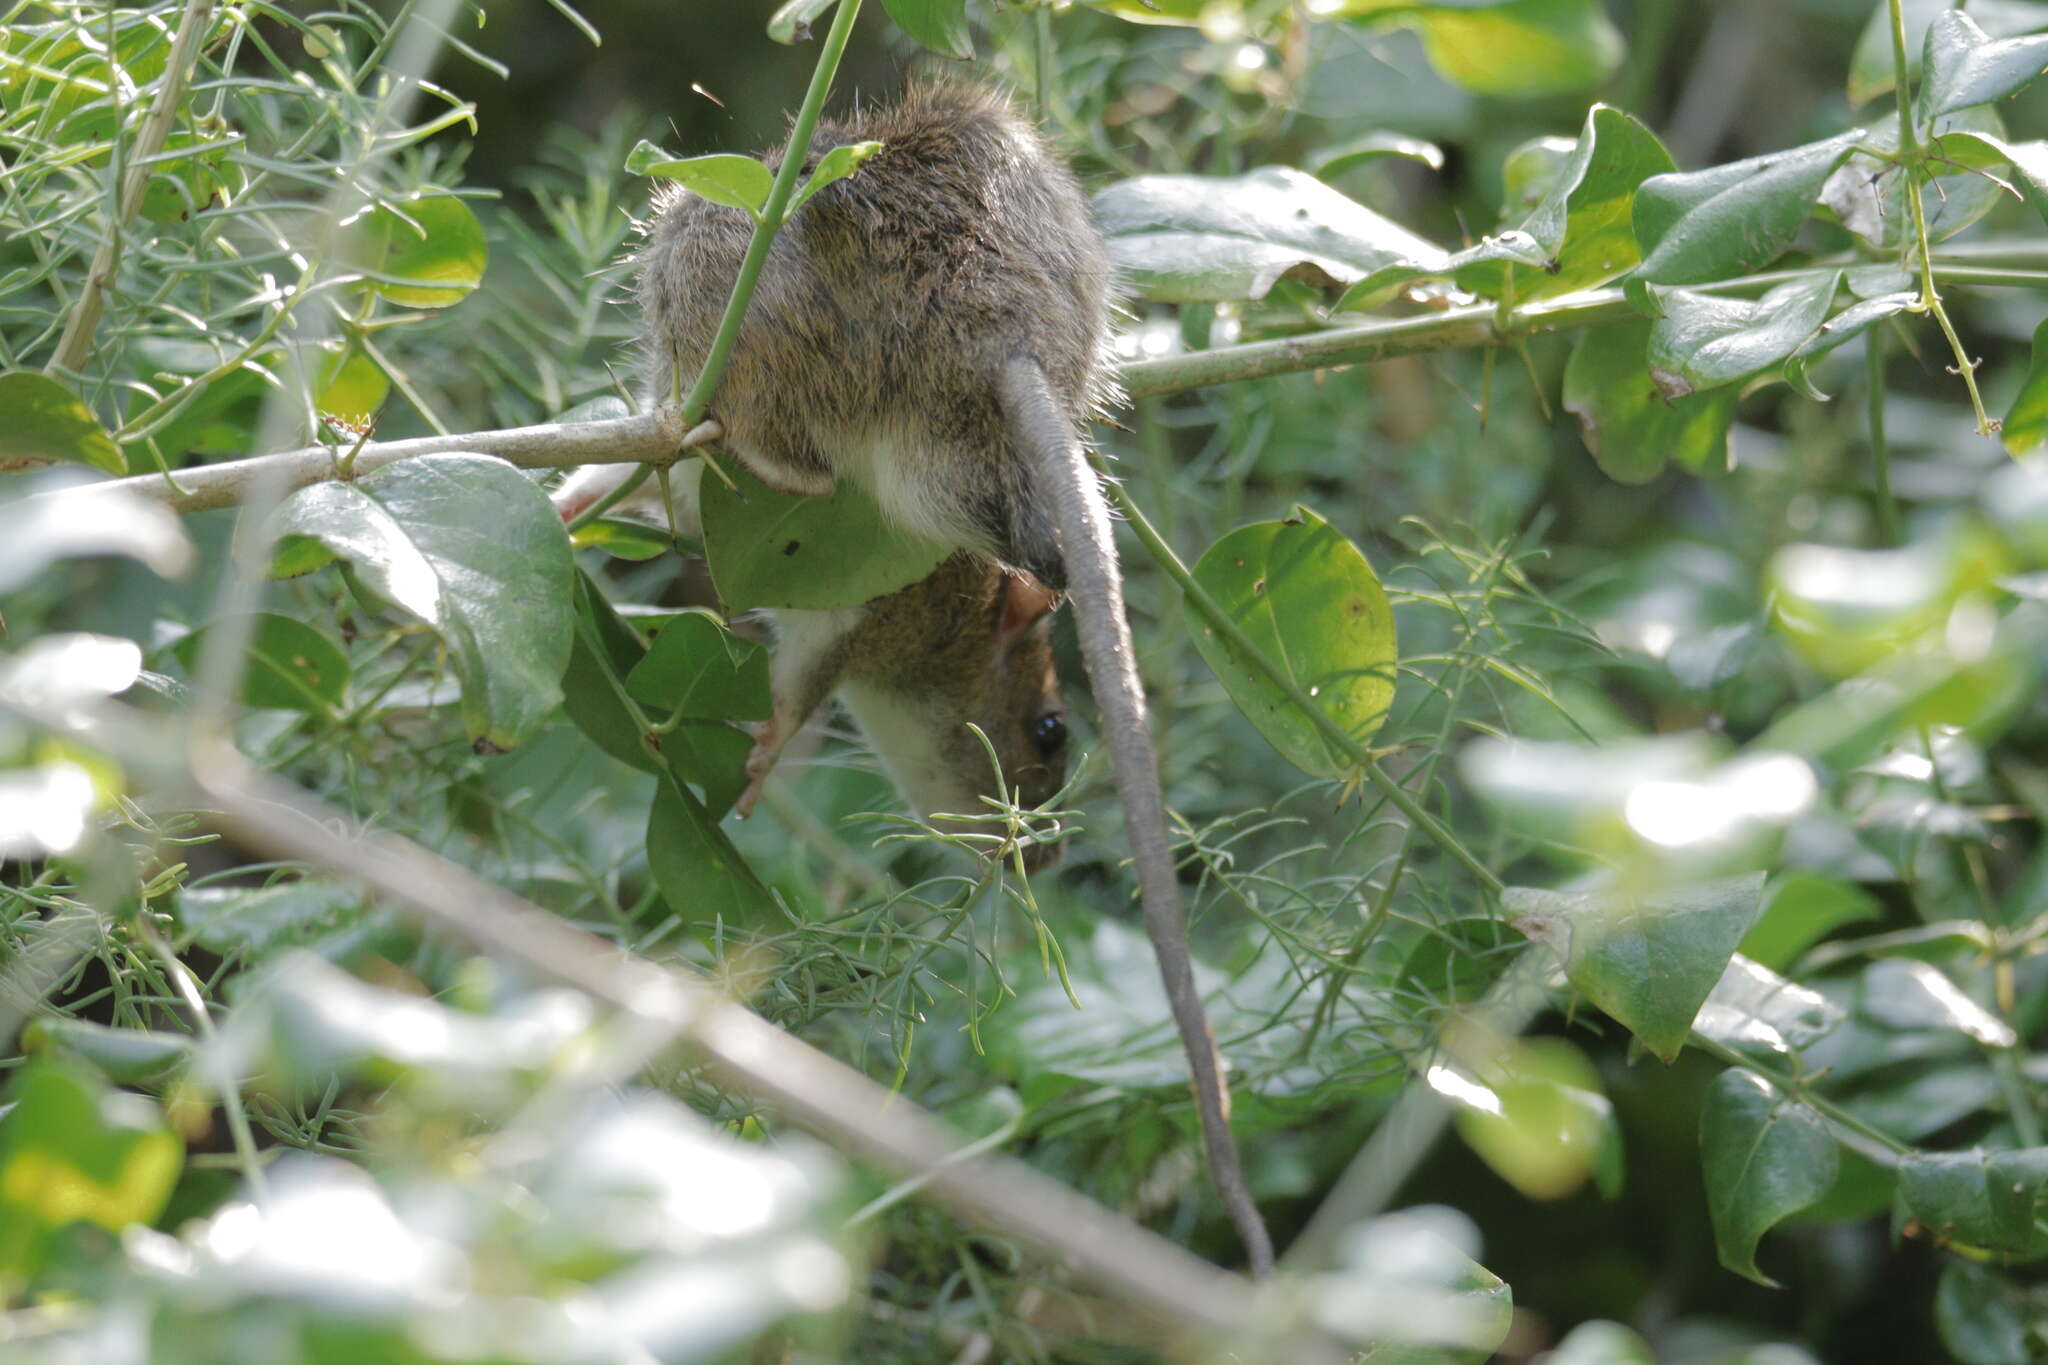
[1096, 584]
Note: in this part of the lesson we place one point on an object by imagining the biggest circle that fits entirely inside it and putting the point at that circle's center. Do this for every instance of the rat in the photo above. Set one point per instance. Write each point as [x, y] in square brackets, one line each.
[935, 327]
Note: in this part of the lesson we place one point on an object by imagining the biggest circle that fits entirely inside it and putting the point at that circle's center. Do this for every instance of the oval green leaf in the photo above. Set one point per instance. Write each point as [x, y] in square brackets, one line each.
[1765, 1156]
[1702, 341]
[940, 25]
[1992, 1200]
[425, 252]
[1630, 427]
[769, 549]
[1308, 599]
[1518, 49]
[472, 549]
[1966, 66]
[41, 420]
[2026, 421]
[1699, 226]
[738, 182]
[835, 165]
[291, 666]
[701, 875]
[699, 668]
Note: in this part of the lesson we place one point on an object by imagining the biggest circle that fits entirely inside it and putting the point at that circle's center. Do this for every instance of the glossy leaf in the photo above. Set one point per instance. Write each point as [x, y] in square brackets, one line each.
[287, 664]
[1702, 341]
[1533, 1110]
[425, 252]
[1844, 326]
[1764, 1156]
[1630, 427]
[1992, 1200]
[1801, 909]
[72, 1150]
[769, 549]
[738, 182]
[1904, 995]
[1963, 65]
[1202, 239]
[42, 420]
[1871, 64]
[1981, 152]
[1334, 161]
[699, 668]
[1649, 959]
[1306, 596]
[701, 875]
[940, 25]
[255, 919]
[1699, 226]
[1849, 610]
[1755, 1011]
[470, 548]
[2026, 421]
[832, 167]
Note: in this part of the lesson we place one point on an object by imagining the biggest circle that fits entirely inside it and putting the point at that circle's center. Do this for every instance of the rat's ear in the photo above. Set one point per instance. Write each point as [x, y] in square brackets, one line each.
[1026, 601]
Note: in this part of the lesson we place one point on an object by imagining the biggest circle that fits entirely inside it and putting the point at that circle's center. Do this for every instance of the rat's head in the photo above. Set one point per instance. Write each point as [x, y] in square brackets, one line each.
[971, 645]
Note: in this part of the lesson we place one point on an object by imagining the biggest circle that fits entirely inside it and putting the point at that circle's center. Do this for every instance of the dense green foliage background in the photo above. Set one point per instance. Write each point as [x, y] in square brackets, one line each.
[1719, 643]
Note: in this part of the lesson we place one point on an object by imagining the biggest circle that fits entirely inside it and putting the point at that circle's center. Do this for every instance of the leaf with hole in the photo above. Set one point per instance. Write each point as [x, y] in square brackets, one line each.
[769, 549]
[287, 664]
[468, 547]
[424, 252]
[1310, 602]
[1649, 958]
[1764, 1156]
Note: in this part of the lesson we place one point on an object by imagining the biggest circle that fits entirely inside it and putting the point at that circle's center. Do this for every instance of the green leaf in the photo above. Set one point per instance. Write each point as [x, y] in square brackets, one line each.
[1846, 325]
[699, 668]
[1649, 959]
[1869, 199]
[1984, 1318]
[290, 666]
[940, 25]
[738, 182]
[835, 165]
[1870, 64]
[1848, 610]
[1801, 909]
[1404, 1285]
[41, 420]
[471, 549]
[701, 875]
[1306, 596]
[1630, 427]
[126, 1056]
[2026, 421]
[255, 919]
[792, 22]
[1334, 161]
[1992, 1200]
[1601, 1343]
[349, 384]
[1533, 1110]
[1965, 66]
[1980, 151]
[1201, 239]
[1764, 1156]
[72, 1151]
[631, 541]
[423, 252]
[769, 549]
[1755, 1011]
[1516, 48]
[1702, 341]
[1907, 995]
[1699, 226]
[34, 533]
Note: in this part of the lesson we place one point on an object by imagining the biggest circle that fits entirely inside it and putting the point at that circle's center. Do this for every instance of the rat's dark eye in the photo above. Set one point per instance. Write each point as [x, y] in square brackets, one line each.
[1049, 733]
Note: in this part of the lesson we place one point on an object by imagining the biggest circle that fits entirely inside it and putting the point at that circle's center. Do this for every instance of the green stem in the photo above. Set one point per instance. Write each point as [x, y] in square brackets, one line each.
[1880, 448]
[229, 1086]
[1796, 1087]
[1335, 734]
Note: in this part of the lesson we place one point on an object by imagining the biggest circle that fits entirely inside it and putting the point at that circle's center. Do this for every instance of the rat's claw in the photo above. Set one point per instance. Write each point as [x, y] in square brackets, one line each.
[760, 762]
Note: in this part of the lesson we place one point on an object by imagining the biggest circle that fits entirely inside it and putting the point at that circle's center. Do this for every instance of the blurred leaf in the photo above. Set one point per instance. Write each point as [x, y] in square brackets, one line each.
[769, 549]
[1533, 1110]
[2026, 423]
[1868, 197]
[1698, 226]
[1334, 161]
[1756, 1011]
[738, 182]
[1204, 239]
[289, 665]
[254, 919]
[1991, 1200]
[1964, 66]
[1984, 1317]
[126, 1056]
[1510, 47]
[423, 252]
[1902, 994]
[792, 22]
[1871, 64]
[1846, 611]
[699, 668]
[940, 25]
[1629, 426]
[834, 166]
[1406, 1285]
[474, 551]
[1801, 909]
[65, 669]
[1306, 596]
[1764, 1157]
[41, 420]
[72, 1150]
[1702, 341]
[47, 808]
[34, 532]
[1650, 959]
[701, 875]
[1600, 1343]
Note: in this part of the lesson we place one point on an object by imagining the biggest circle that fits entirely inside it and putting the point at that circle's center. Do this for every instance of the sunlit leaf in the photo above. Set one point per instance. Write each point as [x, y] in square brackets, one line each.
[1848, 610]
[126, 1056]
[1197, 239]
[1650, 959]
[1755, 1011]
[1699, 226]
[1601, 1343]
[1801, 909]
[769, 549]
[1515, 47]
[1904, 995]
[1630, 427]
[1306, 596]
[287, 664]
[468, 547]
[61, 670]
[42, 420]
[832, 167]
[738, 182]
[1533, 1110]
[424, 252]
[254, 919]
[1334, 161]
[47, 808]
[1764, 1156]
[1406, 1283]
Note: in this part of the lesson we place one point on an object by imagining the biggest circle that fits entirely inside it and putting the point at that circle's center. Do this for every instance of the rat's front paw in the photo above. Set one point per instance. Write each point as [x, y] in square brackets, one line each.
[760, 762]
